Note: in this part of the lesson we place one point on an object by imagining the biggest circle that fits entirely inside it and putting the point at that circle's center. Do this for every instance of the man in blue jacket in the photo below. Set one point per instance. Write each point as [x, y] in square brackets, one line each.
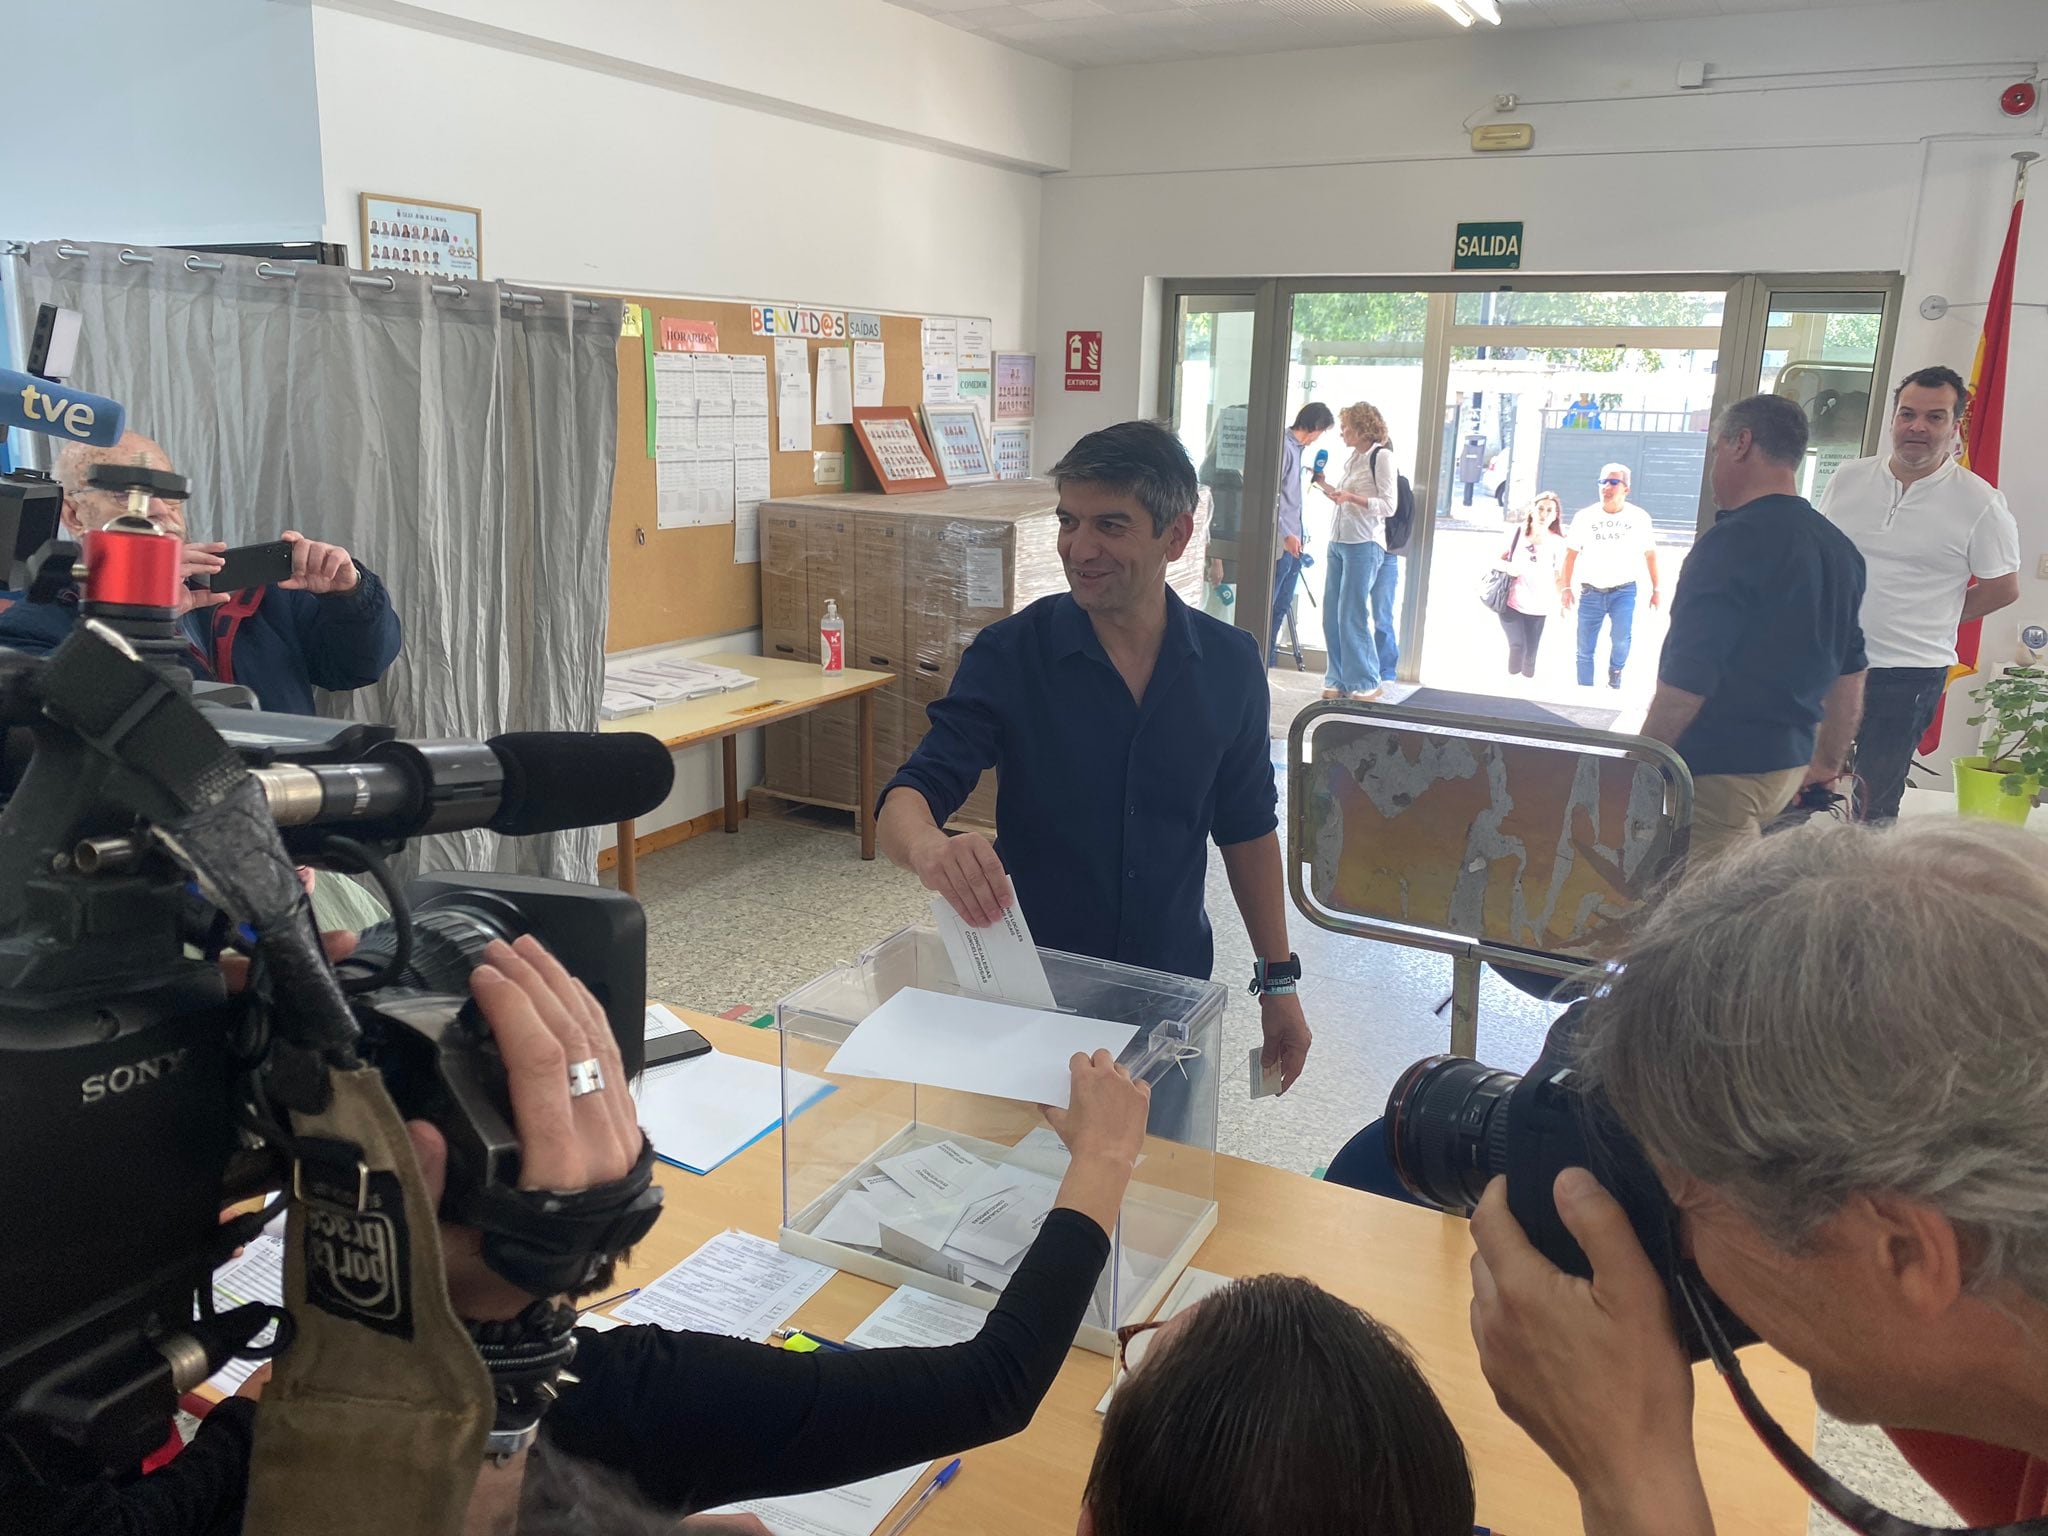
[330, 626]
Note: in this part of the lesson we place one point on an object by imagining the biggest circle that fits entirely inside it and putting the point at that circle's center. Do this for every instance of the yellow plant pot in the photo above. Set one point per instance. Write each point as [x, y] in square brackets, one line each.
[1980, 791]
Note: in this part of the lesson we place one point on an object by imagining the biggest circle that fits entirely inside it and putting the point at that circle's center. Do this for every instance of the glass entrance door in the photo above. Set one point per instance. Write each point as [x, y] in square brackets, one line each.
[1821, 349]
[1213, 356]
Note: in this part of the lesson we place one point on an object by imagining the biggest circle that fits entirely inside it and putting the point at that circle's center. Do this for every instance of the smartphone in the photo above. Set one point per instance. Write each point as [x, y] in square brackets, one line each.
[252, 565]
[678, 1047]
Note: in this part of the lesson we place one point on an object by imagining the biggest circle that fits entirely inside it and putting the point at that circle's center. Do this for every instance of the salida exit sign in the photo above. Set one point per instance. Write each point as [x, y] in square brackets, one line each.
[1487, 246]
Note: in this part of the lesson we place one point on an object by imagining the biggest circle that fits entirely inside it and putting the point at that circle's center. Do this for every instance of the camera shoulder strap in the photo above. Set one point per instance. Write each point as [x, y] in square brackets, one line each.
[377, 1415]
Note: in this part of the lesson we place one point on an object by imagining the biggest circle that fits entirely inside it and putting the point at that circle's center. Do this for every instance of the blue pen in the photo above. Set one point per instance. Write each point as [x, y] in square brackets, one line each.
[592, 1306]
[945, 1476]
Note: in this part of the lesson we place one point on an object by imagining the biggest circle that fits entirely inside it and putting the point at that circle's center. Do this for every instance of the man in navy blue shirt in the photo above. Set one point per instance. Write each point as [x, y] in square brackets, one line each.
[1126, 730]
[330, 626]
[1761, 682]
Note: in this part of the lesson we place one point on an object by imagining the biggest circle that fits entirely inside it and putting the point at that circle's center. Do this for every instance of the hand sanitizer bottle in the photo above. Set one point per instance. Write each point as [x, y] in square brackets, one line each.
[832, 638]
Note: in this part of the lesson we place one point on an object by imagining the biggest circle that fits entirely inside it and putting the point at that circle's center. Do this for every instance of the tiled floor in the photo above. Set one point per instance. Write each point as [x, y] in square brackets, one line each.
[744, 919]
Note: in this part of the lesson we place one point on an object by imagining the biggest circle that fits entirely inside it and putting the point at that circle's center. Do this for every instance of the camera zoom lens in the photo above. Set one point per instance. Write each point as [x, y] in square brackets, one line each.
[448, 942]
[1446, 1125]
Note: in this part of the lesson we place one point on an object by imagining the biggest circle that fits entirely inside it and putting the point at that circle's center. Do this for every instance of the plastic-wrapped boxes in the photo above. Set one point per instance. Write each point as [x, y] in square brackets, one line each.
[950, 1185]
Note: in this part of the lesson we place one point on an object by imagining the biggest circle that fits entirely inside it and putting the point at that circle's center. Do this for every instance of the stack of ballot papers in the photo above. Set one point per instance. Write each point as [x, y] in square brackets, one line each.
[941, 1209]
[635, 685]
[701, 1112]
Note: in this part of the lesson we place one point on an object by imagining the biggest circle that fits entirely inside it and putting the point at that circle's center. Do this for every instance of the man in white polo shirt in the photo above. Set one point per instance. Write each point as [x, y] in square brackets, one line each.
[1925, 525]
[1609, 543]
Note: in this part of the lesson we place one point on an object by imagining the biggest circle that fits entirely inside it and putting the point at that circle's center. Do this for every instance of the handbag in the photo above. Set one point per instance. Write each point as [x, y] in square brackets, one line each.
[1498, 582]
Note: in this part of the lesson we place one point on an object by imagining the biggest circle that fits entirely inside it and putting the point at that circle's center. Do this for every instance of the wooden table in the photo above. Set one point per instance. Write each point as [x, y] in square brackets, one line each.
[783, 690]
[1405, 1265]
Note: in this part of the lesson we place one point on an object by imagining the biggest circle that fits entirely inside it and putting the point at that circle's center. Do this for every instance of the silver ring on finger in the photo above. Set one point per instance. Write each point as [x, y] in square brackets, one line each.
[586, 1076]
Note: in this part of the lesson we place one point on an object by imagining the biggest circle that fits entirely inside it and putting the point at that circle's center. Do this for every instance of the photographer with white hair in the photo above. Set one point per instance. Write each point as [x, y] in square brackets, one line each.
[1833, 1047]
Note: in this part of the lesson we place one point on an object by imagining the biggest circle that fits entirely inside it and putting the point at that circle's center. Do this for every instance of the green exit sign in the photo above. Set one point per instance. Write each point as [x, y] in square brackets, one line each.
[1487, 246]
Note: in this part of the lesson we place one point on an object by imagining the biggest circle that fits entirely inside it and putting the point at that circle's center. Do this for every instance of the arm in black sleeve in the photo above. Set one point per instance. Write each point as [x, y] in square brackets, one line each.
[200, 1493]
[699, 1421]
[349, 639]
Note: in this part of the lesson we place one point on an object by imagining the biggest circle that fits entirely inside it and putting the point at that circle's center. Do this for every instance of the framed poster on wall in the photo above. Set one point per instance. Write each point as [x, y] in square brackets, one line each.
[895, 448]
[960, 439]
[411, 234]
[1016, 386]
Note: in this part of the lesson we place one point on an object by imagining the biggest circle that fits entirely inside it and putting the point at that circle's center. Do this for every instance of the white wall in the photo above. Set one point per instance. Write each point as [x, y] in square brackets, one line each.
[161, 123]
[839, 152]
[1354, 161]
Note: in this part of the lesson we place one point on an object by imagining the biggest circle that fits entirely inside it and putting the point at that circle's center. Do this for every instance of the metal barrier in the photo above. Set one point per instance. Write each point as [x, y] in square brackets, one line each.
[1520, 844]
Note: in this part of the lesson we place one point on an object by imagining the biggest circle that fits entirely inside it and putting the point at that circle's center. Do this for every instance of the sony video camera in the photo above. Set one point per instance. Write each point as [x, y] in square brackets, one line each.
[149, 832]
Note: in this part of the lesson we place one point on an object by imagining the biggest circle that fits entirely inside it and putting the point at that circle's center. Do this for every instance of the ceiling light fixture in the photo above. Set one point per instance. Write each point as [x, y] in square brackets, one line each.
[1487, 11]
[1454, 10]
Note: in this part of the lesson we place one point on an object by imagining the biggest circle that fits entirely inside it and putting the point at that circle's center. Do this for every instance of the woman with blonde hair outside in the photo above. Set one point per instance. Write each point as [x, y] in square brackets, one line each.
[1362, 499]
[1534, 556]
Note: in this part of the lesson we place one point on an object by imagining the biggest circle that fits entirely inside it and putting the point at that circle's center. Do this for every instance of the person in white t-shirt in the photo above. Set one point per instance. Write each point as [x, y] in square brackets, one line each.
[1925, 525]
[1610, 541]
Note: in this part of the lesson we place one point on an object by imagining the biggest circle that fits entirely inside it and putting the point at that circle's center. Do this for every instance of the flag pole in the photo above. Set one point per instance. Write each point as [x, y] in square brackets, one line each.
[2025, 159]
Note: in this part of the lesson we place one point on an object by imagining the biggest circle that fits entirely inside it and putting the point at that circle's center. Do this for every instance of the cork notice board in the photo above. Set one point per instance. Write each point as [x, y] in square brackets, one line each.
[670, 584]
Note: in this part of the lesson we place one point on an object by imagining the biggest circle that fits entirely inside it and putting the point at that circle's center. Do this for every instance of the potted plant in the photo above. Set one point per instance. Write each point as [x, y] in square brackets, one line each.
[2004, 780]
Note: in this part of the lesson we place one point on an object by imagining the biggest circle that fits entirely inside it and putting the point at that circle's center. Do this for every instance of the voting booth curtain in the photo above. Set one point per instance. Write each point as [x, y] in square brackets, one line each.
[458, 439]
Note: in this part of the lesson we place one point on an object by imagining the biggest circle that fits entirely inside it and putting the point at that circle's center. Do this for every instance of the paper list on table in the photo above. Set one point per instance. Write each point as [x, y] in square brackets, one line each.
[736, 1284]
[912, 1319]
[858, 1509]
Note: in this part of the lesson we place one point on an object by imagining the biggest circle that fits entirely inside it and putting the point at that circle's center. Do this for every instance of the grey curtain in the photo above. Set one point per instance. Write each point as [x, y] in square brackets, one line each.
[457, 439]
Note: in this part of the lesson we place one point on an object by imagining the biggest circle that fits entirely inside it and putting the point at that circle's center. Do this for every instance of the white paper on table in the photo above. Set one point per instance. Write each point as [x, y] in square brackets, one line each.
[700, 1112]
[870, 373]
[835, 386]
[599, 1322]
[997, 961]
[737, 1284]
[750, 390]
[975, 1045]
[858, 1509]
[972, 348]
[942, 385]
[1193, 1286]
[617, 703]
[912, 1319]
[661, 1021]
[257, 1275]
[793, 394]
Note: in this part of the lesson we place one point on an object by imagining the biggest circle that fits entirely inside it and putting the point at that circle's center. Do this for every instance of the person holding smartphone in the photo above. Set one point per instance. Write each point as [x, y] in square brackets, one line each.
[314, 618]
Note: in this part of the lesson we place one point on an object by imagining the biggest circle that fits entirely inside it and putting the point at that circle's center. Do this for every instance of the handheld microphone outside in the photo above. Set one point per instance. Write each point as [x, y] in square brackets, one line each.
[1322, 463]
[57, 410]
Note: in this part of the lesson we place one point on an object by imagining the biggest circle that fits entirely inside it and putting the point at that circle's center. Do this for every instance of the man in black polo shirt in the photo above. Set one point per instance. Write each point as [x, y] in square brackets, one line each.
[1761, 683]
[1126, 730]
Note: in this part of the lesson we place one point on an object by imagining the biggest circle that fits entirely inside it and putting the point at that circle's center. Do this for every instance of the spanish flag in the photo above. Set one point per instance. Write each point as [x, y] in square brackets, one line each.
[1983, 426]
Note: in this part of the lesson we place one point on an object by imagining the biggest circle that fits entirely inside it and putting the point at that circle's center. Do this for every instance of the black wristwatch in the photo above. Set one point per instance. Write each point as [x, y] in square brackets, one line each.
[1275, 978]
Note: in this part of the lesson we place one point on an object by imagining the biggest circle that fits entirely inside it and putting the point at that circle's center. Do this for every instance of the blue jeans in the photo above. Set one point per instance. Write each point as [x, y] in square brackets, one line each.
[1617, 605]
[1347, 616]
[1286, 576]
[1384, 585]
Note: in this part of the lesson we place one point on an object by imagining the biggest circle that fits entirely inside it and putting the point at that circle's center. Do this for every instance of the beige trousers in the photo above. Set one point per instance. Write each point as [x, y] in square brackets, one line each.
[1730, 809]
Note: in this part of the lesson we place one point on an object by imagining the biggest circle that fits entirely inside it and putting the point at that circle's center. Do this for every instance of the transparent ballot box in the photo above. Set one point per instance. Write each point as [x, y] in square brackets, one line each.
[994, 1161]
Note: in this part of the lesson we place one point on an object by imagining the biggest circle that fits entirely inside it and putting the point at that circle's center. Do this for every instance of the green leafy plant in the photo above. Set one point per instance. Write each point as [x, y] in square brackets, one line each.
[2015, 704]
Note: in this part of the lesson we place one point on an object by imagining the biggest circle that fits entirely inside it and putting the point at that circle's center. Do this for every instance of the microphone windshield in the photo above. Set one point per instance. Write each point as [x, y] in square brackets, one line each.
[556, 780]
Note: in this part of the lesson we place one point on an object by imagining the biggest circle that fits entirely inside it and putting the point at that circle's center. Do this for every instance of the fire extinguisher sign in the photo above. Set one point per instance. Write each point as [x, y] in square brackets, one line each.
[1084, 361]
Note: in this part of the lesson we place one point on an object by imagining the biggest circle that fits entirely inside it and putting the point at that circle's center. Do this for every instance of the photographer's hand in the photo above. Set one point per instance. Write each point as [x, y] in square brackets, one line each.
[1592, 1370]
[543, 1019]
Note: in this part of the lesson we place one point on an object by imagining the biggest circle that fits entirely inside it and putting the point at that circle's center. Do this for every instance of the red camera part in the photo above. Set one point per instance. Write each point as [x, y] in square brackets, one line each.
[136, 569]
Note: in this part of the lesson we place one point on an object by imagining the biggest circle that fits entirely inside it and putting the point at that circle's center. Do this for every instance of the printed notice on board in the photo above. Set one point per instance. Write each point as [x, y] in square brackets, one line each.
[941, 344]
[984, 578]
[971, 343]
[793, 394]
[870, 373]
[835, 387]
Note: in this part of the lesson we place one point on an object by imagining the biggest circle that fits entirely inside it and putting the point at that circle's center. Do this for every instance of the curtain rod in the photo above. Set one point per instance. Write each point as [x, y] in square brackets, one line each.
[128, 256]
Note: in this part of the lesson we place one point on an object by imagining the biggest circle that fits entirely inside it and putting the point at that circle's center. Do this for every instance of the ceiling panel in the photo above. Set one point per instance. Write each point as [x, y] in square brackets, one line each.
[1088, 32]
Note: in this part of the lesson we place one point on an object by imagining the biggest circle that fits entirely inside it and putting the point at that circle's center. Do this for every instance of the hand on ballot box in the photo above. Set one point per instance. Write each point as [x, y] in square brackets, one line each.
[1103, 1126]
[968, 872]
